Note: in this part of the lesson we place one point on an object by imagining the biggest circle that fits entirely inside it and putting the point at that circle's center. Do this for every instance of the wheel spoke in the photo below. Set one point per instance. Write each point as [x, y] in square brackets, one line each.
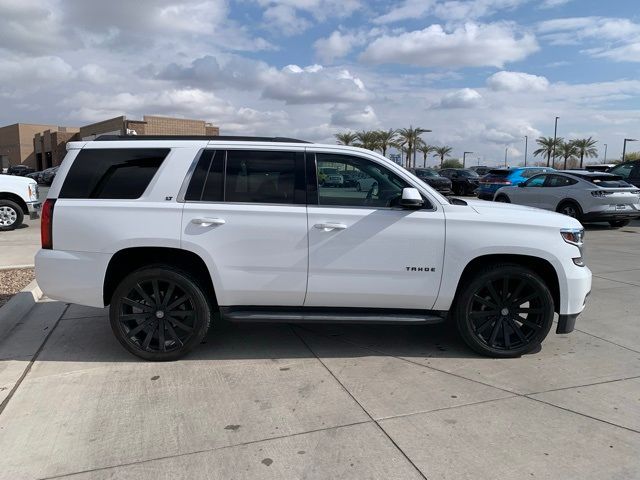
[505, 289]
[133, 316]
[485, 302]
[133, 303]
[485, 325]
[483, 313]
[528, 310]
[172, 333]
[179, 301]
[522, 300]
[493, 293]
[494, 332]
[147, 339]
[516, 328]
[518, 290]
[506, 336]
[144, 295]
[134, 331]
[168, 293]
[161, 343]
[526, 322]
[156, 291]
[181, 313]
[180, 325]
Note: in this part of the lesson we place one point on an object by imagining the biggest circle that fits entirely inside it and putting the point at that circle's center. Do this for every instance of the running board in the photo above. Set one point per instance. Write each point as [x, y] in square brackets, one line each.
[271, 315]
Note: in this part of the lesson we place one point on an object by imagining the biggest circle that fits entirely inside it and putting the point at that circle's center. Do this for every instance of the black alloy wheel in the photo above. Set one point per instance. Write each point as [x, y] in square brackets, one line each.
[159, 313]
[503, 199]
[505, 311]
[570, 209]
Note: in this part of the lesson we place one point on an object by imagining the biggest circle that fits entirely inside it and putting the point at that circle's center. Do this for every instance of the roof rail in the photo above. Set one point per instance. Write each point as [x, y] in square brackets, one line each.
[227, 138]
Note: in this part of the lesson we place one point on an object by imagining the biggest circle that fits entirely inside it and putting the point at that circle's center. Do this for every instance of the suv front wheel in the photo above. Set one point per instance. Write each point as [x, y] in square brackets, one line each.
[159, 313]
[504, 311]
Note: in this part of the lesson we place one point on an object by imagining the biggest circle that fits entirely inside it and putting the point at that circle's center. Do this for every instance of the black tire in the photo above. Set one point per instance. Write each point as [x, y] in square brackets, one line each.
[11, 215]
[485, 314]
[502, 198]
[619, 223]
[571, 209]
[140, 328]
[457, 190]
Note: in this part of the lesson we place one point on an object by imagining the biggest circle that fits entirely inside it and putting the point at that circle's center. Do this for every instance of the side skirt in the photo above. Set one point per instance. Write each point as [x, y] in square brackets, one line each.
[330, 315]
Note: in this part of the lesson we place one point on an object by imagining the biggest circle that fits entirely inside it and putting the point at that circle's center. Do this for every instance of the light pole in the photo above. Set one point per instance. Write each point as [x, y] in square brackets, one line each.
[624, 146]
[605, 153]
[526, 145]
[555, 136]
[464, 159]
[505, 156]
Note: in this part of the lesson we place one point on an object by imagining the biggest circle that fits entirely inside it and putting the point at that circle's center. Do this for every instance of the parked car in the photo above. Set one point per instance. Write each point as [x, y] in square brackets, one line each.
[34, 176]
[20, 170]
[48, 175]
[167, 232]
[500, 177]
[464, 181]
[330, 177]
[480, 169]
[433, 179]
[585, 196]
[599, 167]
[630, 171]
[18, 197]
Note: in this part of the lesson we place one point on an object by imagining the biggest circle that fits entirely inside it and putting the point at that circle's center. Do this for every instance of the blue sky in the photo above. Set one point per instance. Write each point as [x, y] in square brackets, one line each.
[481, 74]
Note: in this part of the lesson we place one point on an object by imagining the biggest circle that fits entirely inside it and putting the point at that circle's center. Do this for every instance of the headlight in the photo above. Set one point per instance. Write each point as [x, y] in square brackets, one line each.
[33, 191]
[574, 236]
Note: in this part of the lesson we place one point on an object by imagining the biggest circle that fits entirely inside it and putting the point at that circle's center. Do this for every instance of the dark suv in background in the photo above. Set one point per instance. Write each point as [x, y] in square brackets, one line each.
[629, 171]
[433, 179]
[464, 181]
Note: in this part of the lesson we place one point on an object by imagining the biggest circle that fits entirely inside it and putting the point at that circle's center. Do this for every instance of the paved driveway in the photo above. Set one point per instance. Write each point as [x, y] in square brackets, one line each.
[330, 401]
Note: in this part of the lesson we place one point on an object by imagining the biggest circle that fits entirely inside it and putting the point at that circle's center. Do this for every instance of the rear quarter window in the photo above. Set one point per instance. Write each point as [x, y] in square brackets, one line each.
[115, 173]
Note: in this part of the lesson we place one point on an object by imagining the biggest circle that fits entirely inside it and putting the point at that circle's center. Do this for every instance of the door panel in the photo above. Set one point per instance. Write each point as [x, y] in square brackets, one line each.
[530, 194]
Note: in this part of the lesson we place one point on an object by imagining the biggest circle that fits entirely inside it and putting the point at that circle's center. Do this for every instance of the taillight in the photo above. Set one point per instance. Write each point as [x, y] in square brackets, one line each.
[600, 193]
[46, 226]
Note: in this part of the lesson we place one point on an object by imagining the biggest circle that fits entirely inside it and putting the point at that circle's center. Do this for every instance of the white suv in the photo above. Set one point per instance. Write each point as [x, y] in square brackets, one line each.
[168, 231]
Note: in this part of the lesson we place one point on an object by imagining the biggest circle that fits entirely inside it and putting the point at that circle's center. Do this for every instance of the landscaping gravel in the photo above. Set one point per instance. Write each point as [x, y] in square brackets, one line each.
[12, 281]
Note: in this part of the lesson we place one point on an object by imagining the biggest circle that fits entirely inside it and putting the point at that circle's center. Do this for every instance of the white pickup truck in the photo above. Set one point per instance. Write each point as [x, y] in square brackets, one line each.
[19, 196]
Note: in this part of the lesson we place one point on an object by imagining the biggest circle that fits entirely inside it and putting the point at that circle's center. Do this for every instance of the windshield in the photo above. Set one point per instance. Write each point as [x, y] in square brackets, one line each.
[468, 173]
[622, 170]
[329, 171]
[426, 172]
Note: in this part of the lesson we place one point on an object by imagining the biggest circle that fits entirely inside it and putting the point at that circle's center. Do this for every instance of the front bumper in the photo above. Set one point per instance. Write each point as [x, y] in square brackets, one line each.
[34, 209]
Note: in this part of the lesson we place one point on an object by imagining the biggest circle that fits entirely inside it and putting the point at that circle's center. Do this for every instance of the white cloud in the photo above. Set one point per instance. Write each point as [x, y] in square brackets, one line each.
[517, 82]
[554, 3]
[285, 19]
[409, 9]
[30, 73]
[471, 45]
[472, 9]
[353, 118]
[464, 98]
[287, 16]
[337, 45]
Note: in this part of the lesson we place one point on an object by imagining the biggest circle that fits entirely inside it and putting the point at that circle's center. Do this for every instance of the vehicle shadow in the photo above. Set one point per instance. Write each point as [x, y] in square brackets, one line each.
[90, 339]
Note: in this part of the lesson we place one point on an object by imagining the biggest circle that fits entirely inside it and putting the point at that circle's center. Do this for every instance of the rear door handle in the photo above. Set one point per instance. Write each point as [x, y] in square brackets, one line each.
[207, 222]
[330, 226]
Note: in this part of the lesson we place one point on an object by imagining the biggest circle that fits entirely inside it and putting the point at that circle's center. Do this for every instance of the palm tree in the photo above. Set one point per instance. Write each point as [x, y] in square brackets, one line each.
[586, 148]
[442, 152]
[567, 150]
[426, 150]
[386, 139]
[547, 147]
[411, 139]
[367, 139]
[346, 138]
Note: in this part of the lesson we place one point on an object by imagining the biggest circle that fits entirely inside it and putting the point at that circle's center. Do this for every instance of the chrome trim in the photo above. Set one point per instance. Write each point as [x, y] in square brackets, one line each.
[187, 179]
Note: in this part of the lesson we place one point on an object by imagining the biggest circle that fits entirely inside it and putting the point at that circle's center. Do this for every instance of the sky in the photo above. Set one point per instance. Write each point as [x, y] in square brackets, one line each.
[481, 74]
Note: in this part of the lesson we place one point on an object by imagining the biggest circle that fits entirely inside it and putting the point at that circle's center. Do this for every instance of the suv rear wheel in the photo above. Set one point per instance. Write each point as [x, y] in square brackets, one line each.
[619, 223]
[159, 313]
[11, 215]
[505, 311]
[571, 209]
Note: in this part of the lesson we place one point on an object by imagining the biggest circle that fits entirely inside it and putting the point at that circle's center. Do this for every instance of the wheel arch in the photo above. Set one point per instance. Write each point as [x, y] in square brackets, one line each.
[16, 199]
[539, 265]
[569, 200]
[127, 260]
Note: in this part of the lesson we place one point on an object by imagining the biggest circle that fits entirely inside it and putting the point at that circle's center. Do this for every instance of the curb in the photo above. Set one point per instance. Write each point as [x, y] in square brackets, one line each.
[12, 312]
[16, 267]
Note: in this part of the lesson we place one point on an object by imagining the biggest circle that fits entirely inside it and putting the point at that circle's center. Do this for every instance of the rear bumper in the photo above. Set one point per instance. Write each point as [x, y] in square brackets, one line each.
[75, 277]
[609, 215]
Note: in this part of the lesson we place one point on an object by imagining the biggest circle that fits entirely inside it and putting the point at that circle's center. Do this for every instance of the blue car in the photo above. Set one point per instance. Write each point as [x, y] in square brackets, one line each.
[501, 177]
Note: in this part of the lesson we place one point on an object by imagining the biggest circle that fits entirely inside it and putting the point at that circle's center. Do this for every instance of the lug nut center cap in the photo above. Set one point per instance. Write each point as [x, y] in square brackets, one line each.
[504, 312]
[159, 314]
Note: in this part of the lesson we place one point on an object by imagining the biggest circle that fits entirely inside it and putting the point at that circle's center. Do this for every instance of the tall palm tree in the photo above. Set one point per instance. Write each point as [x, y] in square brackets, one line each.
[586, 148]
[386, 139]
[346, 138]
[442, 152]
[411, 138]
[367, 139]
[426, 150]
[567, 150]
[547, 147]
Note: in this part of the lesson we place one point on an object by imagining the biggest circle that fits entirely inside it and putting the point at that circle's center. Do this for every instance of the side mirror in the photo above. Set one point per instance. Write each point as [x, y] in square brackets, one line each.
[411, 198]
[521, 184]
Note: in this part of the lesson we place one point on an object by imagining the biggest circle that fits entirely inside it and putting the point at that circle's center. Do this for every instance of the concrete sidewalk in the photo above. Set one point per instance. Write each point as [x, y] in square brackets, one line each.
[283, 402]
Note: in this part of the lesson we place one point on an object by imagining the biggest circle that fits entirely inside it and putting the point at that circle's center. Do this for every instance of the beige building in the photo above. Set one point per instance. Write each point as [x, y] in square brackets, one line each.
[50, 146]
[16, 143]
[149, 125]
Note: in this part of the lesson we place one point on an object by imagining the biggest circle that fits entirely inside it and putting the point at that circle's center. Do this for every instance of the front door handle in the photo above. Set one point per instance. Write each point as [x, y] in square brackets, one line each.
[330, 226]
[207, 222]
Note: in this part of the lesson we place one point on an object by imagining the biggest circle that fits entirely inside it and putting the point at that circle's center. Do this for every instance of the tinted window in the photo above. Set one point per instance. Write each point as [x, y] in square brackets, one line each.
[260, 177]
[559, 181]
[536, 181]
[375, 186]
[206, 182]
[622, 170]
[425, 172]
[468, 173]
[122, 173]
[499, 173]
[530, 172]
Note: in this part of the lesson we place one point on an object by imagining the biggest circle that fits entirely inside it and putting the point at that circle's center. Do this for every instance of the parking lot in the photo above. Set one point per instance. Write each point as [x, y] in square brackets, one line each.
[330, 401]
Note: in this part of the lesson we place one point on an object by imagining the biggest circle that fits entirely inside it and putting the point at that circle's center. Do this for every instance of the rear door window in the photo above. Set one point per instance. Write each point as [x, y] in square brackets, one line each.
[536, 181]
[115, 173]
[559, 181]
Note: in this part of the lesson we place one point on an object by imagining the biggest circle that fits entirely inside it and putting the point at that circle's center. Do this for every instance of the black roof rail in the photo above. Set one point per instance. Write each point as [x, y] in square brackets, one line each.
[227, 138]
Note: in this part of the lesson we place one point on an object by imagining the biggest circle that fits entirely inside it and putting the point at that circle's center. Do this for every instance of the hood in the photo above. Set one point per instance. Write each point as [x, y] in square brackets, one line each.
[512, 213]
[15, 181]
